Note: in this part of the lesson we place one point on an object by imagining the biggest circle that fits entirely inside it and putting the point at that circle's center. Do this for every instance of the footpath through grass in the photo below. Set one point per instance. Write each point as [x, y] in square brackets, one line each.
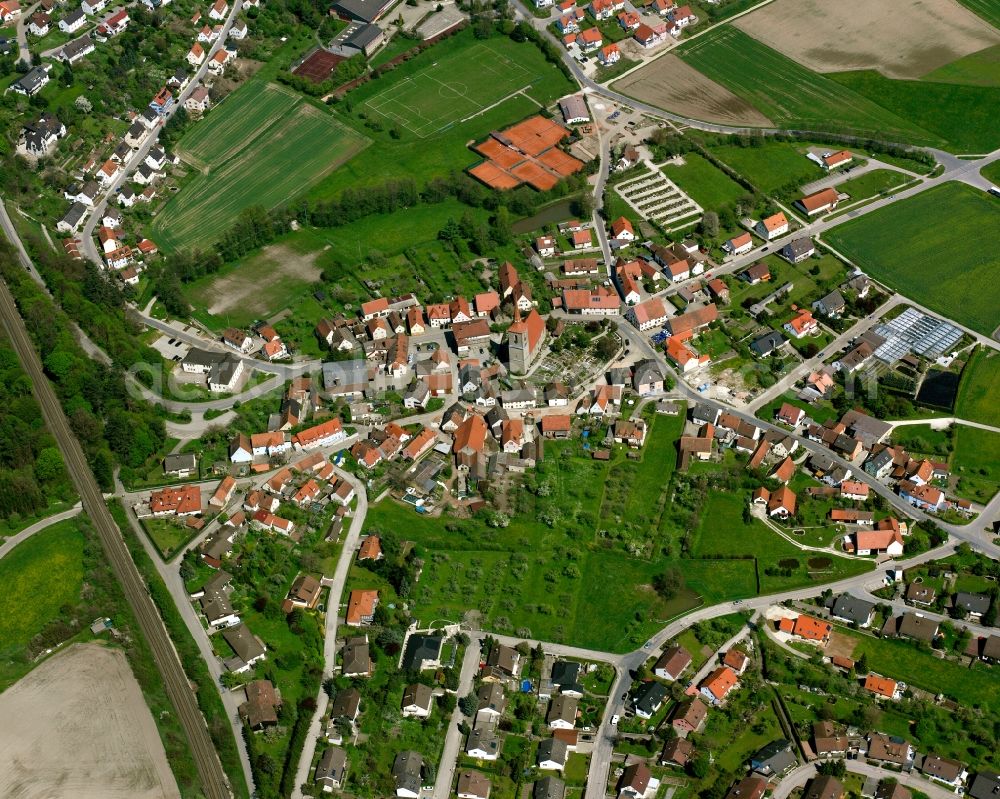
[936, 248]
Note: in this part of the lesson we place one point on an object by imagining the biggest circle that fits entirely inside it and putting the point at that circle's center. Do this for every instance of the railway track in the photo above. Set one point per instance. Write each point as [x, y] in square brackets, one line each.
[213, 779]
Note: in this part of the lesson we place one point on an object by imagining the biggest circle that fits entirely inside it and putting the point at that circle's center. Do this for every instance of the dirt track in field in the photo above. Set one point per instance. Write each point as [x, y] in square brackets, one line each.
[78, 726]
[247, 287]
[672, 85]
[900, 41]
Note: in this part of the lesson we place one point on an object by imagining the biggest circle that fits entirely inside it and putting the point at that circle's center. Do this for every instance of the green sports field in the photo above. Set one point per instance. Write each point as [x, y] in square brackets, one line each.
[457, 85]
[262, 146]
[789, 93]
[936, 248]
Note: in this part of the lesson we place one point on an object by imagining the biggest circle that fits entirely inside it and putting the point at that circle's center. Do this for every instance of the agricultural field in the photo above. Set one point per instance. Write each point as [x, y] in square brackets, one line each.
[977, 393]
[771, 165]
[978, 69]
[904, 244]
[787, 92]
[668, 82]
[53, 558]
[261, 148]
[987, 9]
[456, 86]
[79, 725]
[813, 34]
[960, 115]
[704, 182]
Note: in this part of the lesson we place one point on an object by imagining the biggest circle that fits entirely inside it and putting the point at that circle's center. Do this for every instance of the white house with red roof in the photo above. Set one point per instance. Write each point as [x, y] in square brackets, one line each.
[802, 324]
[108, 172]
[738, 245]
[773, 226]
[622, 230]
[545, 246]
[647, 315]
[590, 39]
[609, 55]
[219, 10]
[649, 36]
[196, 55]
[605, 9]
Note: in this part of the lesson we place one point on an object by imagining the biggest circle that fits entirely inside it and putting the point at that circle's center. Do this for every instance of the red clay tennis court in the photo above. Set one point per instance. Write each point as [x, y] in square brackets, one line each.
[525, 153]
[318, 66]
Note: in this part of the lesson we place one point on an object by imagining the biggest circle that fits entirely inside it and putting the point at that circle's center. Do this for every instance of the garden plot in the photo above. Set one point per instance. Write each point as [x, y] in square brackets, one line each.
[657, 198]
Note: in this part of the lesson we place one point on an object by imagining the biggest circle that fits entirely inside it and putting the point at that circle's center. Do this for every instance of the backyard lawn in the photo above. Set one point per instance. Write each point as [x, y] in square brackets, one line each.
[724, 533]
[901, 660]
[905, 243]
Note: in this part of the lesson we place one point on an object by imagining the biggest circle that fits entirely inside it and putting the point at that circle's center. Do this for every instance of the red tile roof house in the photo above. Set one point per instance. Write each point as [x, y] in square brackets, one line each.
[819, 202]
[689, 716]
[739, 245]
[773, 226]
[646, 315]
[672, 663]
[184, 501]
[812, 629]
[782, 503]
[717, 685]
[374, 308]
[737, 660]
[802, 325]
[326, 434]
[589, 40]
[610, 54]
[650, 36]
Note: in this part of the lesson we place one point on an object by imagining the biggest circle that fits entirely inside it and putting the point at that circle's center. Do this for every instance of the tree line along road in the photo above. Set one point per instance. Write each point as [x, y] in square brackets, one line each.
[213, 779]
